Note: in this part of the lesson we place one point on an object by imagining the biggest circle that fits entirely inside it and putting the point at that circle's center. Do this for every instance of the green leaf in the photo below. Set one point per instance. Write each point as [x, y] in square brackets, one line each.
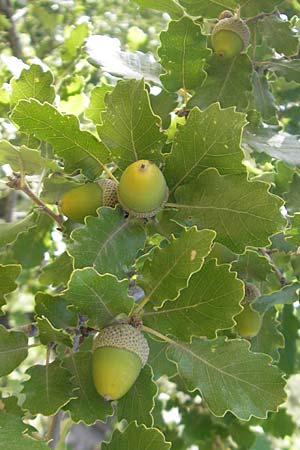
[171, 267]
[10, 231]
[136, 437]
[79, 149]
[97, 103]
[12, 434]
[162, 105]
[251, 266]
[138, 403]
[208, 304]
[30, 246]
[89, 406]
[228, 82]
[74, 41]
[48, 389]
[33, 83]
[130, 130]
[279, 35]
[229, 376]
[293, 233]
[170, 6]
[250, 8]
[209, 138]
[100, 297]
[208, 8]
[279, 424]
[24, 159]
[246, 215]
[109, 243]
[55, 309]
[263, 98]
[56, 186]
[49, 334]
[157, 359]
[58, 272]
[13, 350]
[289, 355]
[290, 70]
[183, 52]
[293, 195]
[8, 275]
[269, 339]
[288, 294]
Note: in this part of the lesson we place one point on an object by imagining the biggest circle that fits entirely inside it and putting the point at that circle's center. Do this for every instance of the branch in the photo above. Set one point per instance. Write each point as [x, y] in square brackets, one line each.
[13, 38]
[279, 275]
[17, 183]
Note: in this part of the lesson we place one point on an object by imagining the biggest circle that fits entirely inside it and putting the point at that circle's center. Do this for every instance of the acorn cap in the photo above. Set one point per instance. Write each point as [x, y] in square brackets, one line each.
[235, 25]
[225, 14]
[251, 293]
[109, 190]
[126, 337]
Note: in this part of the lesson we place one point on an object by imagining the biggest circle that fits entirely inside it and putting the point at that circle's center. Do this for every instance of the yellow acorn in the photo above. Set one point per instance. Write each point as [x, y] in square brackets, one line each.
[120, 352]
[85, 200]
[248, 322]
[142, 190]
[230, 36]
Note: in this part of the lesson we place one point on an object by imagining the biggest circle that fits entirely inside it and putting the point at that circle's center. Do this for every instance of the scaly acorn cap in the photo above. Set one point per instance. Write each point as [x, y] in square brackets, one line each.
[109, 192]
[123, 336]
[225, 14]
[235, 25]
[251, 293]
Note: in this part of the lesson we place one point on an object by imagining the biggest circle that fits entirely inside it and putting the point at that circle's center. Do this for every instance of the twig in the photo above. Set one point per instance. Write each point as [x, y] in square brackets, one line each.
[13, 38]
[140, 306]
[17, 183]
[279, 275]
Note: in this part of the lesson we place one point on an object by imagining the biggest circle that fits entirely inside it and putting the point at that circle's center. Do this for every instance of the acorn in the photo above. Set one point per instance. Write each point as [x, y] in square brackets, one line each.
[225, 14]
[142, 190]
[86, 199]
[248, 322]
[230, 37]
[119, 353]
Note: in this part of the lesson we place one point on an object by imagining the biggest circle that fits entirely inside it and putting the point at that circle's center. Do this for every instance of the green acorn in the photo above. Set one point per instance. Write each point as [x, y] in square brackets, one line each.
[248, 322]
[86, 199]
[120, 352]
[142, 190]
[230, 37]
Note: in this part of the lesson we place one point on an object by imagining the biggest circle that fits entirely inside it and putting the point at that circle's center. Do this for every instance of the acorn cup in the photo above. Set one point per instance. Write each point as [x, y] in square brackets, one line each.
[86, 199]
[142, 191]
[119, 353]
[230, 36]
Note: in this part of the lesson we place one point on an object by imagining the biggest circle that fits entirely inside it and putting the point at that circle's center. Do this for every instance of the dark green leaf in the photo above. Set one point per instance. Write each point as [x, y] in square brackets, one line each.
[13, 350]
[8, 276]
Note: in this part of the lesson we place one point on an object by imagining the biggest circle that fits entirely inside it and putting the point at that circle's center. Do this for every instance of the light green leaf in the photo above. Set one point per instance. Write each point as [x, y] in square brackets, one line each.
[208, 304]
[100, 297]
[130, 130]
[209, 138]
[136, 437]
[138, 403]
[89, 406]
[55, 186]
[48, 389]
[229, 376]
[8, 275]
[55, 309]
[227, 82]
[33, 83]
[12, 434]
[292, 196]
[269, 338]
[97, 103]
[162, 105]
[293, 233]
[246, 215]
[288, 294]
[250, 8]
[109, 243]
[279, 424]
[13, 350]
[58, 272]
[289, 355]
[279, 35]
[171, 267]
[158, 359]
[10, 231]
[208, 8]
[170, 6]
[74, 41]
[24, 159]
[79, 149]
[251, 266]
[289, 69]
[263, 98]
[183, 52]
[49, 334]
